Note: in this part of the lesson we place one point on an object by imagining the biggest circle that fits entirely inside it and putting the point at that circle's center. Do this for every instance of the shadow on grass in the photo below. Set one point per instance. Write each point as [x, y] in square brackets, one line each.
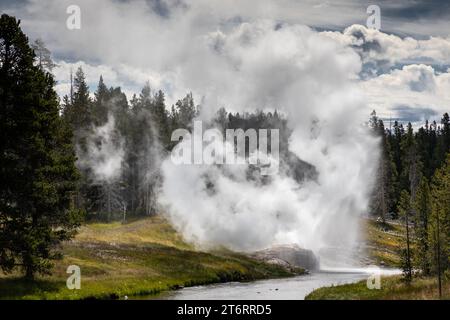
[17, 288]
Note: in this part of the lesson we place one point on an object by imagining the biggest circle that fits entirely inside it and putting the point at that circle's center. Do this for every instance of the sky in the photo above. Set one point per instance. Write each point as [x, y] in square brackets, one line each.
[404, 68]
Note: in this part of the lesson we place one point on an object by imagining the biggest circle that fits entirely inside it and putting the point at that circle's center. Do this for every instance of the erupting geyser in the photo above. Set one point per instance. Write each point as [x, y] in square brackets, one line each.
[309, 77]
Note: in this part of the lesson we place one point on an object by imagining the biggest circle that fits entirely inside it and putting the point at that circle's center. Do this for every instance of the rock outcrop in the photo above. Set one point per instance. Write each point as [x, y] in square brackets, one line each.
[289, 255]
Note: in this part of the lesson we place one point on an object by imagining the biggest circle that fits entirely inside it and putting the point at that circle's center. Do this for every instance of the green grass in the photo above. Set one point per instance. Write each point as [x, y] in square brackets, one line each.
[140, 258]
[384, 242]
[149, 230]
[392, 288]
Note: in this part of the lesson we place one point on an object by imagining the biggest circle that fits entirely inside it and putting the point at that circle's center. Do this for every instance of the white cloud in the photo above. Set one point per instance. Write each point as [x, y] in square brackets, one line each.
[377, 46]
[417, 89]
[130, 44]
[131, 80]
[92, 73]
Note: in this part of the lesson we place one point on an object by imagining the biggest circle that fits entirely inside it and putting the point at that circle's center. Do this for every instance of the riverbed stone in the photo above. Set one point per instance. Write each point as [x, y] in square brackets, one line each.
[289, 255]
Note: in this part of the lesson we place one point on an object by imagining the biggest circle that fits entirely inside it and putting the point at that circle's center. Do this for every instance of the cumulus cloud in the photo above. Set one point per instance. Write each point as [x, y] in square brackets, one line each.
[63, 69]
[414, 93]
[381, 51]
[404, 78]
[130, 79]
[127, 35]
[132, 42]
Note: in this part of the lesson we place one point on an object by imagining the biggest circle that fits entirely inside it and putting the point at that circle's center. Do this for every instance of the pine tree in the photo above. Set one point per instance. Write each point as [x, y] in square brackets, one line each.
[386, 180]
[411, 162]
[143, 153]
[79, 112]
[445, 121]
[383, 176]
[43, 56]
[99, 107]
[36, 159]
[439, 224]
[404, 209]
[160, 118]
[397, 138]
[424, 150]
[422, 206]
[186, 111]
[221, 119]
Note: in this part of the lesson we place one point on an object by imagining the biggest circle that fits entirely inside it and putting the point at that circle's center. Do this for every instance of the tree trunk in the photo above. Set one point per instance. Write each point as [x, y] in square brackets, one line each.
[408, 253]
[439, 256]
[29, 274]
[28, 267]
[108, 200]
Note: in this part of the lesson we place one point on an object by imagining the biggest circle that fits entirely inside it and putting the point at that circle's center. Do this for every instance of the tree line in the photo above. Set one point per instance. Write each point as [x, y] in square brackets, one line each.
[144, 125]
[413, 184]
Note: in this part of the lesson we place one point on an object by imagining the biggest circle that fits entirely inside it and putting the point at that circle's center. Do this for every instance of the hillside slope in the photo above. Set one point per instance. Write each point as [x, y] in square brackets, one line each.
[142, 257]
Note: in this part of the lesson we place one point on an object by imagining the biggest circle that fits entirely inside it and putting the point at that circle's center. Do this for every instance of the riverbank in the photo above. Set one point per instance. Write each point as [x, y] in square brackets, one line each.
[383, 243]
[139, 258]
[147, 257]
[392, 288]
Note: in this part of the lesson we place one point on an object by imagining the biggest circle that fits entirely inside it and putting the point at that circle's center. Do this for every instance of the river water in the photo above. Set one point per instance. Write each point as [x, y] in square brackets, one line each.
[295, 288]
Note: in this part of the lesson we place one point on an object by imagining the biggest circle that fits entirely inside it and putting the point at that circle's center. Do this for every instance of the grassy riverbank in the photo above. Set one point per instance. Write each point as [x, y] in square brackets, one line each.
[143, 257]
[383, 242]
[392, 288]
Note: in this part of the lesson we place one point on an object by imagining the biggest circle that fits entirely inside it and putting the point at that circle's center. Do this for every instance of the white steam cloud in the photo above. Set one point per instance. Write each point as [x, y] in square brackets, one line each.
[105, 152]
[310, 78]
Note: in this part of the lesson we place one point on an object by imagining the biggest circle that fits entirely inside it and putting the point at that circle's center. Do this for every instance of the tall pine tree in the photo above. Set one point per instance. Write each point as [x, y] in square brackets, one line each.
[36, 160]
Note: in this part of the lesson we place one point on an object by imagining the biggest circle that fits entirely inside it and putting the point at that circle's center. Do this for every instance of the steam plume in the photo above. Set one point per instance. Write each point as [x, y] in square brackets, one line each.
[310, 78]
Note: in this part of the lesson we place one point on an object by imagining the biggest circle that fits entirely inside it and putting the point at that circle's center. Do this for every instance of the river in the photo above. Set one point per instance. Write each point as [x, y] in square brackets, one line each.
[295, 288]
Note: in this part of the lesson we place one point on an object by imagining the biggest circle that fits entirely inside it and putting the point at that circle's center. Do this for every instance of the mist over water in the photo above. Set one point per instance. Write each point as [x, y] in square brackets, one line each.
[310, 79]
